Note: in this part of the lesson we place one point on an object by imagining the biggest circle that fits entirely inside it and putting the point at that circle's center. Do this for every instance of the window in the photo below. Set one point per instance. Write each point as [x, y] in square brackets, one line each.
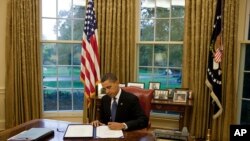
[160, 42]
[244, 73]
[61, 34]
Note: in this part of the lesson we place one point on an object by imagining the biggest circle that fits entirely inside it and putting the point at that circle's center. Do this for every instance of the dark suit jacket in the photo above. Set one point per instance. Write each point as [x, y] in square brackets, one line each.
[128, 111]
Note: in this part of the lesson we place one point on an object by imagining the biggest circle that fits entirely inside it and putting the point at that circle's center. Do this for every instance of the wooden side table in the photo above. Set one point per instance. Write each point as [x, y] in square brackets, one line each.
[169, 105]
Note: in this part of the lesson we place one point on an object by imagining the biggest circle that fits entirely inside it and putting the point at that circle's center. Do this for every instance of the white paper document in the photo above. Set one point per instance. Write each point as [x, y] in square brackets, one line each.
[105, 132]
[79, 131]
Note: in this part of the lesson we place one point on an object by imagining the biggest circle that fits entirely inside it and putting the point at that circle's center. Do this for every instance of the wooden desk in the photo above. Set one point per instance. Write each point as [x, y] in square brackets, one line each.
[59, 128]
[169, 105]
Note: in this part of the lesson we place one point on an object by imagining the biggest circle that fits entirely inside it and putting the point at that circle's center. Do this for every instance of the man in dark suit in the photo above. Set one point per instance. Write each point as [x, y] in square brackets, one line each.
[128, 114]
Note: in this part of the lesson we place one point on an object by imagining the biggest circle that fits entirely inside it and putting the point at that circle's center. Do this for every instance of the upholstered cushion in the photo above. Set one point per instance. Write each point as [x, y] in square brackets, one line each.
[145, 96]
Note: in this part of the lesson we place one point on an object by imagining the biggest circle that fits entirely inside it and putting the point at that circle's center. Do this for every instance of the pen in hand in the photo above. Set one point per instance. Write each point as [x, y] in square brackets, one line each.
[115, 125]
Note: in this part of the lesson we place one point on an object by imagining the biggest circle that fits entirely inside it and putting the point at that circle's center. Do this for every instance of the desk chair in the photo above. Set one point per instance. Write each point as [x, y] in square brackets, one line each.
[145, 96]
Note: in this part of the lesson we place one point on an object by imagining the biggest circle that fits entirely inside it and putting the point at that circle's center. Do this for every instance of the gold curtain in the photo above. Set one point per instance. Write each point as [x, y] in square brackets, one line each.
[116, 28]
[221, 127]
[198, 27]
[199, 18]
[116, 40]
[23, 66]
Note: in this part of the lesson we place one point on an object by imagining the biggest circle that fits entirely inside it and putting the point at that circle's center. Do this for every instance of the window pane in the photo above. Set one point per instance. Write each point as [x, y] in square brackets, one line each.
[64, 29]
[161, 55]
[147, 30]
[48, 29]
[49, 100]
[77, 48]
[175, 78]
[49, 71]
[49, 54]
[79, 8]
[147, 9]
[249, 29]
[65, 100]
[162, 8]
[177, 8]
[159, 76]
[64, 54]
[64, 77]
[145, 75]
[78, 29]
[64, 71]
[247, 58]
[162, 30]
[246, 84]
[64, 8]
[177, 29]
[52, 9]
[76, 78]
[78, 99]
[145, 55]
[64, 82]
[245, 112]
[49, 77]
[175, 55]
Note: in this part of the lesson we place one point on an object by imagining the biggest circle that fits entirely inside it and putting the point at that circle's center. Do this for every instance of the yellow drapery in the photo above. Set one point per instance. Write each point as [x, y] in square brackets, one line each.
[23, 65]
[199, 16]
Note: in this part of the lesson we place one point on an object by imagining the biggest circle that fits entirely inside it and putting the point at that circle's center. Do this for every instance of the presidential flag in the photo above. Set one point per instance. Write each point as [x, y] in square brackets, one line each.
[214, 71]
[90, 62]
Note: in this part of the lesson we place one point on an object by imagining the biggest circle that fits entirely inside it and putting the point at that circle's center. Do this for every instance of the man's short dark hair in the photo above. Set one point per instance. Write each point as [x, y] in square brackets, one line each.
[109, 76]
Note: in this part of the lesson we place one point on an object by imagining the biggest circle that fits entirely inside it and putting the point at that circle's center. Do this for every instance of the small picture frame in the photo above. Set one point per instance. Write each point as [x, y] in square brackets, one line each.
[154, 85]
[122, 85]
[170, 93]
[180, 95]
[161, 94]
[135, 84]
[100, 91]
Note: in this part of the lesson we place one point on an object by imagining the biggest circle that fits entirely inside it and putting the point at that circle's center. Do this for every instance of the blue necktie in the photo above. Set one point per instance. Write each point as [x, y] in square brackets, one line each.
[113, 109]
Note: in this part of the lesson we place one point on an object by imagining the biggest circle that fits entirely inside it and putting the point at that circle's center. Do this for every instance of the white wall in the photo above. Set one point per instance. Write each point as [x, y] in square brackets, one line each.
[3, 11]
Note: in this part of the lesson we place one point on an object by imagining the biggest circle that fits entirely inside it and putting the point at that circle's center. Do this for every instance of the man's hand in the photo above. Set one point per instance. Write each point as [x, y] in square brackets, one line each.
[96, 123]
[116, 125]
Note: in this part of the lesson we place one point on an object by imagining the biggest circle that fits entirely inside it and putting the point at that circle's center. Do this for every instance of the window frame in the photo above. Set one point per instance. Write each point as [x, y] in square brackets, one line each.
[156, 115]
[243, 28]
[60, 113]
[153, 43]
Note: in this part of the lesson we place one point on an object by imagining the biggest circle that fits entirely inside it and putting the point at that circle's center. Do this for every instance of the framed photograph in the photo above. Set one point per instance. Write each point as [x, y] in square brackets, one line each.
[180, 95]
[170, 93]
[122, 85]
[161, 94]
[135, 84]
[154, 85]
[100, 91]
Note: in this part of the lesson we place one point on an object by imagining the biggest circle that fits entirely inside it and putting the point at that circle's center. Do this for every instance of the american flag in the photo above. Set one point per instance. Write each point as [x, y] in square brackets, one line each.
[90, 62]
[217, 55]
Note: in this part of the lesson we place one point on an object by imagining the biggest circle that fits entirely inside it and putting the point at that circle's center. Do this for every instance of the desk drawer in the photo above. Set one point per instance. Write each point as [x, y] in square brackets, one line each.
[173, 108]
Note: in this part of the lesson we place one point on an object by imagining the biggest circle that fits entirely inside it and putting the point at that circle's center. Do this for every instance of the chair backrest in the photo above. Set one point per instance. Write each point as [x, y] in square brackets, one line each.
[145, 96]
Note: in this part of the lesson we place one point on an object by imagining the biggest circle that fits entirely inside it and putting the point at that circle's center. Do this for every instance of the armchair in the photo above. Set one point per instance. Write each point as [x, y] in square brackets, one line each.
[145, 96]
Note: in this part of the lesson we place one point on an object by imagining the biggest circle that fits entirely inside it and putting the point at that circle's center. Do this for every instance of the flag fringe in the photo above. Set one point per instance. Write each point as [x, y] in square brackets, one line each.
[215, 99]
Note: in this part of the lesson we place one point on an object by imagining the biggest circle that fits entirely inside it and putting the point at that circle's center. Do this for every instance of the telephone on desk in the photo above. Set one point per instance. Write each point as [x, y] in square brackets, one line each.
[172, 134]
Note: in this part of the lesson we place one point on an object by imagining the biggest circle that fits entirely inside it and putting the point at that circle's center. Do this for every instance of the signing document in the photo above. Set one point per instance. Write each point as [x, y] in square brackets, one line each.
[79, 131]
[85, 130]
[105, 132]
